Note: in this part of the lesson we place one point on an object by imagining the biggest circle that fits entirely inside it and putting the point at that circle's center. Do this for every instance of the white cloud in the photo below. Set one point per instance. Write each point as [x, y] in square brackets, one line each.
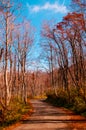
[55, 7]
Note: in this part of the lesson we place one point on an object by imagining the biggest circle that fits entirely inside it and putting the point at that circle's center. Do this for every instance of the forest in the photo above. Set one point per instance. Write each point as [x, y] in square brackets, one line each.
[63, 49]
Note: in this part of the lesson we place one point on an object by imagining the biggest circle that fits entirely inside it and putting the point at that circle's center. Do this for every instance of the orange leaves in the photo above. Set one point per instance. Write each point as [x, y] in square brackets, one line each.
[73, 25]
[76, 1]
[75, 20]
[59, 27]
[73, 16]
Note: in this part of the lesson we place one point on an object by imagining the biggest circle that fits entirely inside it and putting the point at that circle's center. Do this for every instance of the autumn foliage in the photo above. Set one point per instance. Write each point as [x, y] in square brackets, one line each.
[69, 46]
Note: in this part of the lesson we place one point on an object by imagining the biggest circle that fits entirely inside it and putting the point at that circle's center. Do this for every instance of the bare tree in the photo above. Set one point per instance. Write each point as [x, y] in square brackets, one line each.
[7, 18]
[24, 38]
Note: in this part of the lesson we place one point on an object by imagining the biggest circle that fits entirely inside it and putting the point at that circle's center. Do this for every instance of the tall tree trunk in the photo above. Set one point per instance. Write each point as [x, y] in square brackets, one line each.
[7, 89]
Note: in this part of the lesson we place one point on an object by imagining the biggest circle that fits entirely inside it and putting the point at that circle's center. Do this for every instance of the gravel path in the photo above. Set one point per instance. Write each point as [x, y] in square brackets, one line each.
[47, 117]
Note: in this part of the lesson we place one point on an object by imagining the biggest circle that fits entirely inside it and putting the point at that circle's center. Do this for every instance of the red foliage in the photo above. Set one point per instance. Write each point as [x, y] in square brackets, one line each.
[59, 27]
[76, 1]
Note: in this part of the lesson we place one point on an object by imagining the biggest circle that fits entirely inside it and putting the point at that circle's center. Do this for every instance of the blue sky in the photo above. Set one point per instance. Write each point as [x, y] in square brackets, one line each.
[38, 11]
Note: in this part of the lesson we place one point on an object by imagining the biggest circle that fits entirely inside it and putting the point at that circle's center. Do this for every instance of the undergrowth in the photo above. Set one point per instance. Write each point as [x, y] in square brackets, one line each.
[72, 100]
[14, 113]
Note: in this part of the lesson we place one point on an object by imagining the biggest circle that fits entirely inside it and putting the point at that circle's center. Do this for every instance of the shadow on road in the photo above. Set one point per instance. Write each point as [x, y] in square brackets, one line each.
[47, 117]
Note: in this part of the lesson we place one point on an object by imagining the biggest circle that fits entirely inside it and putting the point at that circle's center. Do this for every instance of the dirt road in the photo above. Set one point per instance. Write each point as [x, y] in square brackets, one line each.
[47, 117]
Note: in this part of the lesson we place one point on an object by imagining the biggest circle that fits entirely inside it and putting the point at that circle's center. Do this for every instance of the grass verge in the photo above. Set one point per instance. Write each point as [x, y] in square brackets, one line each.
[17, 112]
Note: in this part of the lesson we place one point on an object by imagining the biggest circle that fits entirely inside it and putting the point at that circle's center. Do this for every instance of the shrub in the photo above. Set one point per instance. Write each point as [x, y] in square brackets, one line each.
[60, 99]
[79, 105]
[15, 111]
[75, 103]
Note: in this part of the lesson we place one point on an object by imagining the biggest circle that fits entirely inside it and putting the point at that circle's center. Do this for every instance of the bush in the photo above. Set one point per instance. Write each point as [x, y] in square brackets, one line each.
[75, 103]
[79, 105]
[15, 111]
[58, 100]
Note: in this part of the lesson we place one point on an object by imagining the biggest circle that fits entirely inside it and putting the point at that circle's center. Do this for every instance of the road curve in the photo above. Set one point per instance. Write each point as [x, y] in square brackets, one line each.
[47, 117]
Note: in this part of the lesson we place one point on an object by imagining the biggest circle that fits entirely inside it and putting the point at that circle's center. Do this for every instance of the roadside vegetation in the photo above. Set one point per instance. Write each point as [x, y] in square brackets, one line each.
[65, 45]
[17, 111]
[74, 101]
[16, 40]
